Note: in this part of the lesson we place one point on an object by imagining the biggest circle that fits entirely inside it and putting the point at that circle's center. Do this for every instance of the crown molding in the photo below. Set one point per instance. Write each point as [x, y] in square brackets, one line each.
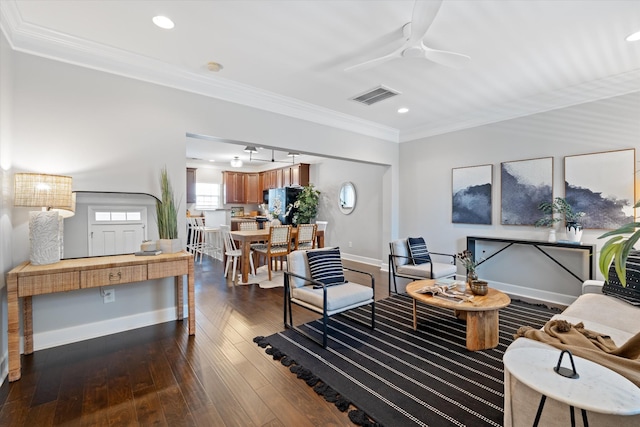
[35, 40]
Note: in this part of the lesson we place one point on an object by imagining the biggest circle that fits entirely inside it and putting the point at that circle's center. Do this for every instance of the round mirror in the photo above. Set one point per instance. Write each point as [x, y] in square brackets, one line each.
[347, 198]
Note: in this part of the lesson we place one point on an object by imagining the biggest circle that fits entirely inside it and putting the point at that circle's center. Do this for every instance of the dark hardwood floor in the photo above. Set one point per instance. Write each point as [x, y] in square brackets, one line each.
[158, 375]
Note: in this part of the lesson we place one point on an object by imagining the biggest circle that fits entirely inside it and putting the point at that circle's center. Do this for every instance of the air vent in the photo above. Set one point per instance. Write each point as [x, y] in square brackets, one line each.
[374, 95]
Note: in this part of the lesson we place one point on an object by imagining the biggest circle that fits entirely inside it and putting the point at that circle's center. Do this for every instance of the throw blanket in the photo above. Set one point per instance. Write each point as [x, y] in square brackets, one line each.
[594, 346]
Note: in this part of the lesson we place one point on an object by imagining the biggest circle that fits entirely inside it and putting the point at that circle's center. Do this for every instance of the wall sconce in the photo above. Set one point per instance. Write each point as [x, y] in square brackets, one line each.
[51, 193]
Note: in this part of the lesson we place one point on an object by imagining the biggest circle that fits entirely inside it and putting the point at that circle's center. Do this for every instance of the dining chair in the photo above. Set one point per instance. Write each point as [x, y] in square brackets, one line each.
[196, 245]
[306, 236]
[233, 253]
[247, 226]
[278, 246]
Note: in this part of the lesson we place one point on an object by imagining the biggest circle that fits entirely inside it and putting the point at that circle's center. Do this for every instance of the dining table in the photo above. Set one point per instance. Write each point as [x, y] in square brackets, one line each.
[247, 237]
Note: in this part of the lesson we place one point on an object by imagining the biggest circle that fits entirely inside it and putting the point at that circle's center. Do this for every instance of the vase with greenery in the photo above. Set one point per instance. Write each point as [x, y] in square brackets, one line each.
[306, 205]
[167, 216]
[616, 250]
[571, 217]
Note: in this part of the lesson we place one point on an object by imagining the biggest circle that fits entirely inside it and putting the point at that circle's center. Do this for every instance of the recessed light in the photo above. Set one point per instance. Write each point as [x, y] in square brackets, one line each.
[211, 160]
[633, 37]
[163, 22]
[403, 110]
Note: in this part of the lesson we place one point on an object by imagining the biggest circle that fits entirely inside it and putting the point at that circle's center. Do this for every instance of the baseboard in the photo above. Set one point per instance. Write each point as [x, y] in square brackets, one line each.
[361, 259]
[533, 294]
[88, 331]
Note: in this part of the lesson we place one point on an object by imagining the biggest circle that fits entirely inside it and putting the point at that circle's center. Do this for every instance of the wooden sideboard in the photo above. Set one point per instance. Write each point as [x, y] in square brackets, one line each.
[26, 281]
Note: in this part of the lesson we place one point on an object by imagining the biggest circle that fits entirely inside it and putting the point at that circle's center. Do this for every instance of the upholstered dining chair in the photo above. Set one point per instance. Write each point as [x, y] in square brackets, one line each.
[278, 246]
[247, 225]
[306, 236]
[233, 253]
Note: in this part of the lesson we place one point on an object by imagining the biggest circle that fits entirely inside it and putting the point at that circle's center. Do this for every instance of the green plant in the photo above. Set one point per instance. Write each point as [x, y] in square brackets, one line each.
[467, 261]
[558, 206]
[617, 249]
[306, 205]
[166, 209]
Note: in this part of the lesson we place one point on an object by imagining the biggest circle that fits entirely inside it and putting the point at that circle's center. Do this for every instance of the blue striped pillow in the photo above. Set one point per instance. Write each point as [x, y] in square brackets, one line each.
[326, 266]
[418, 250]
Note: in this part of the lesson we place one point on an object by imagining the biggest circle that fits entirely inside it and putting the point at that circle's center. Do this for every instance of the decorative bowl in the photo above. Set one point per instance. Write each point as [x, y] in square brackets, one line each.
[479, 287]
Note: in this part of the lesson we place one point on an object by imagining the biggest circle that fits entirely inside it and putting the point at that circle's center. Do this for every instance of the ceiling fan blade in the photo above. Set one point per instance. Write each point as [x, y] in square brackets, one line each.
[424, 12]
[376, 61]
[442, 57]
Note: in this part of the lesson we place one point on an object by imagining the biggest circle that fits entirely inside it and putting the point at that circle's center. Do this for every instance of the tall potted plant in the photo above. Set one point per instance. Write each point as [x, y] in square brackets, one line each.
[306, 205]
[167, 216]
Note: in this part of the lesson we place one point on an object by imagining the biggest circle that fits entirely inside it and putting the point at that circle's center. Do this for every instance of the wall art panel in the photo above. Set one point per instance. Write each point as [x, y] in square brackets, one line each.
[524, 185]
[471, 194]
[603, 186]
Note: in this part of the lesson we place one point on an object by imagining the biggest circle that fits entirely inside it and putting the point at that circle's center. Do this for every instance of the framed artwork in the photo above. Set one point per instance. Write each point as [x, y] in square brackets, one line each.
[524, 185]
[471, 194]
[602, 185]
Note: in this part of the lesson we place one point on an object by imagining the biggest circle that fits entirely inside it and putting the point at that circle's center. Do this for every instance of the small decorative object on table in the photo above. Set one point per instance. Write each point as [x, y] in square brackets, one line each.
[467, 261]
[479, 287]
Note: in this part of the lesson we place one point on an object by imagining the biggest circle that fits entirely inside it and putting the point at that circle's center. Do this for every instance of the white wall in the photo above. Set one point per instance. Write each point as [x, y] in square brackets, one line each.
[425, 175]
[363, 226]
[6, 190]
[114, 134]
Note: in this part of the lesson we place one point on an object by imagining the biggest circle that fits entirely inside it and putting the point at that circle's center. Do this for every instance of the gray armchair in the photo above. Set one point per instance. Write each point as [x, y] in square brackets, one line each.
[403, 264]
[315, 280]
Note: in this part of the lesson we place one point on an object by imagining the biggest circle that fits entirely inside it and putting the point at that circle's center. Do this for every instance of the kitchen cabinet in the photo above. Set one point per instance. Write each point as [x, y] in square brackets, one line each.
[252, 188]
[233, 187]
[191, 185]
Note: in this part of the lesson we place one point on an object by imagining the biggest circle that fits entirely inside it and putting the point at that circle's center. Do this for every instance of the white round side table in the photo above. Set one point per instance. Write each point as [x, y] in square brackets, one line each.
[597, 389]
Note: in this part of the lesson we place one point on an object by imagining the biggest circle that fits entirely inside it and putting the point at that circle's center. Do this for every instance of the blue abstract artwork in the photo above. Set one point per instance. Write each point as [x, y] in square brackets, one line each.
[471, 194]
[602, 185]
[524, 185]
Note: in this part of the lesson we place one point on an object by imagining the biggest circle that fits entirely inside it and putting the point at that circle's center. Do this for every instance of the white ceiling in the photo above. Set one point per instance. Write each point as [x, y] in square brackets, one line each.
[289, 56]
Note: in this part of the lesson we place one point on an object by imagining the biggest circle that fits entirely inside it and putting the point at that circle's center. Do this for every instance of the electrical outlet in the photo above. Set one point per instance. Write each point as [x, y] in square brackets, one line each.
[350, 244]
[108, 295]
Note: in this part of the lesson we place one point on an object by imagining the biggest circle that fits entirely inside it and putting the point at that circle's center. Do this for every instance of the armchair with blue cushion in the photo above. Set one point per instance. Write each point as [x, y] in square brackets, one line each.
[410, 259]
[315, 280]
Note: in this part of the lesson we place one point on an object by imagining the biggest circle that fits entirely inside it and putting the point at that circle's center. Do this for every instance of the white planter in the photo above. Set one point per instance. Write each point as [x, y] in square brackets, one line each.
[170, 246]
[574, 232]
[552, 236]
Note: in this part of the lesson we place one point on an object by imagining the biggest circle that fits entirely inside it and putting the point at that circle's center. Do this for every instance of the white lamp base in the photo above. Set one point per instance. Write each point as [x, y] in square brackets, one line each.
[44, 237]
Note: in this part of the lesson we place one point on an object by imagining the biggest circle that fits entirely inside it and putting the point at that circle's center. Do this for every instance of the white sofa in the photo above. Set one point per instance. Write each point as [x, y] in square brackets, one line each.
[598, 312]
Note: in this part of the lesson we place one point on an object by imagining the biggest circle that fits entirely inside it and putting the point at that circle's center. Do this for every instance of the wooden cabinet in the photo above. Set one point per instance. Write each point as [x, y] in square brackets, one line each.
[191, 185]
[233, 187]
[254, 183]
[252, 188]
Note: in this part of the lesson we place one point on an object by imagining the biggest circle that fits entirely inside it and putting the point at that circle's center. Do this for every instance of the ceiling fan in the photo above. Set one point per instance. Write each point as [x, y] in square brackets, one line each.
[424, 13]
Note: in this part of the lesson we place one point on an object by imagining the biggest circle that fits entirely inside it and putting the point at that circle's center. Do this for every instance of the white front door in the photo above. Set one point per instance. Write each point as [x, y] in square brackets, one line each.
[114, 231]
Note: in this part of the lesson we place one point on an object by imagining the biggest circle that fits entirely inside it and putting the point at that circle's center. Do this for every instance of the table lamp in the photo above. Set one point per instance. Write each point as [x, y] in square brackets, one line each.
[50, 193]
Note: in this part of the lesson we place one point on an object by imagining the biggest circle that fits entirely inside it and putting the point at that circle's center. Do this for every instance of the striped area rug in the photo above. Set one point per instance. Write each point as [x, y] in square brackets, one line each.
[401, 377]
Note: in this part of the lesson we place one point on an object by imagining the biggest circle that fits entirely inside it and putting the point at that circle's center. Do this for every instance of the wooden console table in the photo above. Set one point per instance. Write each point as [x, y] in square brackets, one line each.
[28, 280]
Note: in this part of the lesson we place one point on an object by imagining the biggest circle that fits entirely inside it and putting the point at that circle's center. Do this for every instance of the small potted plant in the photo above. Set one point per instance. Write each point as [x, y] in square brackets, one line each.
[478, 287]
[571, 218]
[167, 216]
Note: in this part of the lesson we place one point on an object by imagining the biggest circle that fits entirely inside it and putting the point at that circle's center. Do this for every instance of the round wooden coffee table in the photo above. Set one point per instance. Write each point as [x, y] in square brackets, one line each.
[481, 314]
